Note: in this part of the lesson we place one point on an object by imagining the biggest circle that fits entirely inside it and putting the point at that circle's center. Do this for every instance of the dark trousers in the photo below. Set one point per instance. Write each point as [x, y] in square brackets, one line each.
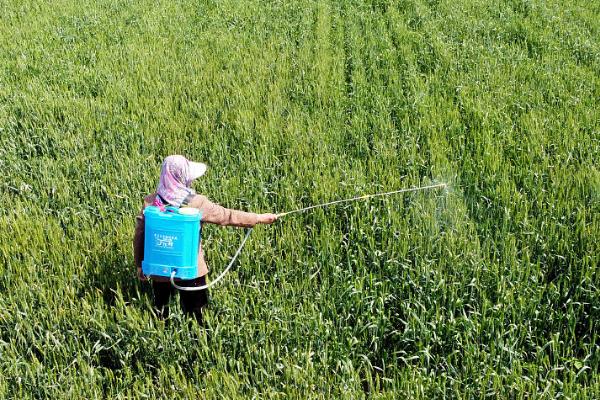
[192, 303]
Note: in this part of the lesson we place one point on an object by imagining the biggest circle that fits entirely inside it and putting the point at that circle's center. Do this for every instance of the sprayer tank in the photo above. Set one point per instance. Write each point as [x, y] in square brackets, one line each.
[171, 240]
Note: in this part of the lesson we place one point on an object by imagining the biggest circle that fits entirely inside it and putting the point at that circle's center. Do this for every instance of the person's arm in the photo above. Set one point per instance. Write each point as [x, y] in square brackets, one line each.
[138, 244]
[216, 214]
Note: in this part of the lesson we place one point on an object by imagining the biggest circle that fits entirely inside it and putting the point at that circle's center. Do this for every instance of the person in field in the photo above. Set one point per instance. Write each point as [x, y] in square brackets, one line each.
[174, 188]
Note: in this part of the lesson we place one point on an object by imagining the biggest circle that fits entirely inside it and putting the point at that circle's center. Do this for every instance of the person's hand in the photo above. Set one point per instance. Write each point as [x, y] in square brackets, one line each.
[267, 218]
[141, 275]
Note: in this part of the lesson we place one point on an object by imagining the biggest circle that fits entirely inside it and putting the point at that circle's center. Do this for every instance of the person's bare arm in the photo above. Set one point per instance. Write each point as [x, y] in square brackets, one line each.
[216, 214]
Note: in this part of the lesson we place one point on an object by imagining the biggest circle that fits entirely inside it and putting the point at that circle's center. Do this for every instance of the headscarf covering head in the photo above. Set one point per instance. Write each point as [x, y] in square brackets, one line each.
[176, 176]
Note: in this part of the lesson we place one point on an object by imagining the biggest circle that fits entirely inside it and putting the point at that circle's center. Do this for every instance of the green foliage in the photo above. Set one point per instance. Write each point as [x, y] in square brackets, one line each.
[490, 289]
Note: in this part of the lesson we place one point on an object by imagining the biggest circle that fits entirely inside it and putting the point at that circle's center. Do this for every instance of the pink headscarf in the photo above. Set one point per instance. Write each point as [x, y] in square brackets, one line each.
[176, 179]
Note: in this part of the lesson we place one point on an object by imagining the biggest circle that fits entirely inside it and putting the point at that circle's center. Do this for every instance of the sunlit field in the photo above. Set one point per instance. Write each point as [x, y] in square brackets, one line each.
[488, 289]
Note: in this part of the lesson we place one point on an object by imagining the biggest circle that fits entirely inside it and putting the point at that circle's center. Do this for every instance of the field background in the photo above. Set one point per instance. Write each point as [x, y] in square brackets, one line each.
[490, 289]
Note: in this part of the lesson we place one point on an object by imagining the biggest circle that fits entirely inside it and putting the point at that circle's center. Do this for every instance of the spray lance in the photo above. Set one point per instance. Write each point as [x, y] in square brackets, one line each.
[300, 210]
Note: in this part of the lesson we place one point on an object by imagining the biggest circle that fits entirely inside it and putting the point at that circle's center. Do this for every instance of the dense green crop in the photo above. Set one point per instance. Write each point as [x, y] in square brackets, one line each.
[490, 289]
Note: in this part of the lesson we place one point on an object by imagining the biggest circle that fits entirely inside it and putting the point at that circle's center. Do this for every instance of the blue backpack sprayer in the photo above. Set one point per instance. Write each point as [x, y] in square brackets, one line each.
[172, 237]
[171, 240]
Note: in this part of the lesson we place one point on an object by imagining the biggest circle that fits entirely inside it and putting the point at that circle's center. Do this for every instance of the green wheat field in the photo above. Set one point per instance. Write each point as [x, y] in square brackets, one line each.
[489, 289]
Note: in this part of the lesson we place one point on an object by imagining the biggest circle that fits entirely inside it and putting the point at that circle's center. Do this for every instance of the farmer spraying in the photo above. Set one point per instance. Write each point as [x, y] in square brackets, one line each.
[174, 192]
[167, 237]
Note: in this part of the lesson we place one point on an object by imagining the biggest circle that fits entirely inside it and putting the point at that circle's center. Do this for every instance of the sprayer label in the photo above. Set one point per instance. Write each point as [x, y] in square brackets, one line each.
[164, 241]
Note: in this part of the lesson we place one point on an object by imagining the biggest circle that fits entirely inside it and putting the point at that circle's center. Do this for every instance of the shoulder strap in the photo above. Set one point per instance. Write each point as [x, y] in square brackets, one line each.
[187, 199]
